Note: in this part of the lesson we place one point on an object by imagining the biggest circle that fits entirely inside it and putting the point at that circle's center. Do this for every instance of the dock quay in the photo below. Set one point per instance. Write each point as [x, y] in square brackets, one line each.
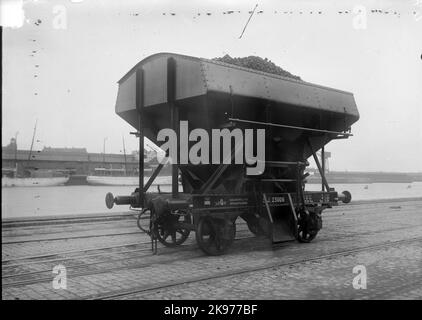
[106, 256]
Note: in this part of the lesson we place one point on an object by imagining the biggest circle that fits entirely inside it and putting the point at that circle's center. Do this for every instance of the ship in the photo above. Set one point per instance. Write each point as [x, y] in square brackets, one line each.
[7, 181]
[116, 177]
[103, 176]
[112, 177]
[30, 177]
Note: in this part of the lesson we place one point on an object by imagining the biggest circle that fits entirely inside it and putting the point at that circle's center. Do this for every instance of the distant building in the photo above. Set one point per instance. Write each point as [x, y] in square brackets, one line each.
[69, 160]
[12, 146]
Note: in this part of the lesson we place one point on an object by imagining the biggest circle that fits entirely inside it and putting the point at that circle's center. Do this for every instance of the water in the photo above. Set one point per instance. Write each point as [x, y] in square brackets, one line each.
[375, 190]
[65, 200]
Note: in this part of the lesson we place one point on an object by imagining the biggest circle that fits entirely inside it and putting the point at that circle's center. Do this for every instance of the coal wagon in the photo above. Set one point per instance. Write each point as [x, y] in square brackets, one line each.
[298, 118]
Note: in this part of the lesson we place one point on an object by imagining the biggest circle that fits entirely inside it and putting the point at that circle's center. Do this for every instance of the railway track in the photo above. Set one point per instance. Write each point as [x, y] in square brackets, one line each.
[10, 223]
[64, 232]
[331, 216]
[170, 252]
[127, 293]
[51, 254]
[105, 270]
[187, 249]
[31, 258]
[147, 248]
[71, 237]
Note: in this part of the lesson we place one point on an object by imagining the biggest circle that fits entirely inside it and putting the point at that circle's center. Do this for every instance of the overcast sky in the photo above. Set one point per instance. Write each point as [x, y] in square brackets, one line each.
[66, 78]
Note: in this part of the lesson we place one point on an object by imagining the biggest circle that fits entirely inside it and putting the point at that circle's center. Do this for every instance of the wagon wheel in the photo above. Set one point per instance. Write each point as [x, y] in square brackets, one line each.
[307, 227]
[170, 231]
[304, 235]
[214, 236]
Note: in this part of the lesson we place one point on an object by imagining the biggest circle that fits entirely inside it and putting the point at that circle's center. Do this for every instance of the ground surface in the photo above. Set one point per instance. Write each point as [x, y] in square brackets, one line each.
[108, 258]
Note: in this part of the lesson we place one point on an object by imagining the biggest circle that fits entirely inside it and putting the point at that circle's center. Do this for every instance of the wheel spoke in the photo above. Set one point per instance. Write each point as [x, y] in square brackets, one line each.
[183, 232]
[169, 226]
[210, 237]
[166, 234]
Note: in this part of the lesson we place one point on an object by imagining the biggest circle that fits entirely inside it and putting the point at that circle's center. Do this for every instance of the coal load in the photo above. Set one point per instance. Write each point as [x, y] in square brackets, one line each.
[257, 63]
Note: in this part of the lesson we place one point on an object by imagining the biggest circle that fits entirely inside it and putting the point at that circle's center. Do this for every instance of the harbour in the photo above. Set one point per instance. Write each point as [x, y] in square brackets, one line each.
[68, 200]
[211, 151]
[76, 166]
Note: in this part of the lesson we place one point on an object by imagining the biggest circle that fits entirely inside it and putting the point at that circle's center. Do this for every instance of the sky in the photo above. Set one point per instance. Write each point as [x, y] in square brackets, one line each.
[62, 61]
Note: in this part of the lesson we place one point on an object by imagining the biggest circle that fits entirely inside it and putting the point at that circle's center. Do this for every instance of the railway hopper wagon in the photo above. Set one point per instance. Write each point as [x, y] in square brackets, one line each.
[298, 119]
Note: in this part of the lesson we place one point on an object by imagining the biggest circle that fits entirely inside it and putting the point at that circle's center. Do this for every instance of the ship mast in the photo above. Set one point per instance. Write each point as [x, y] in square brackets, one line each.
[104, 143]
[32, 143]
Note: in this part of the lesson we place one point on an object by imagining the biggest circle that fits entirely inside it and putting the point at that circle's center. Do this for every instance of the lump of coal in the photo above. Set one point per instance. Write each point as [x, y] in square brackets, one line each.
[257, 63]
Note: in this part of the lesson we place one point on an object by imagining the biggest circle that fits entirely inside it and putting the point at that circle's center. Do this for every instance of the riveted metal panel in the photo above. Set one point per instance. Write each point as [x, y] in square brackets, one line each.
[245, 82]
[190, 80]
[196, 76]
[126, 95]
[155, 81]
[220, 78]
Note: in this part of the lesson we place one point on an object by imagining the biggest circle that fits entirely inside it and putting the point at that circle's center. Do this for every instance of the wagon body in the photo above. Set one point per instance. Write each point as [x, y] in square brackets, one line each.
[208, 92]
[299, 118]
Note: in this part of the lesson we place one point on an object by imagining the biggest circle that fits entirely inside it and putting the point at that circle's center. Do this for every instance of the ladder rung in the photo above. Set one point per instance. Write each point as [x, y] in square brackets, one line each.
[278, 180]
[282, 163]
[272, 180]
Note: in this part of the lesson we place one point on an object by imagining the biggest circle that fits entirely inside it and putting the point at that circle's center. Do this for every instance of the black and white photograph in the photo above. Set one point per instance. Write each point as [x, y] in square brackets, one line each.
[231, 152]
